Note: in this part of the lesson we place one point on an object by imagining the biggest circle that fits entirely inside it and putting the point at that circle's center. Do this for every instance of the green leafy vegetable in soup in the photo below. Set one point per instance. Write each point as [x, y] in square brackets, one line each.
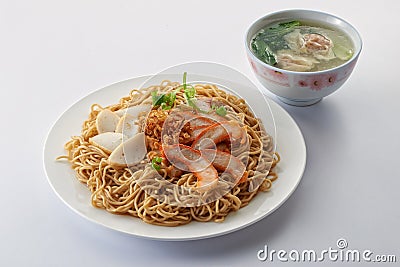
[298, 46]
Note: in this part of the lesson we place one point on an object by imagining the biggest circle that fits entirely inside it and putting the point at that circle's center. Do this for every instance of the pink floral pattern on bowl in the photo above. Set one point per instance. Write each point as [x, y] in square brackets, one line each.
[314, 82]
[317, 82]
[271, 75]
[320, 81]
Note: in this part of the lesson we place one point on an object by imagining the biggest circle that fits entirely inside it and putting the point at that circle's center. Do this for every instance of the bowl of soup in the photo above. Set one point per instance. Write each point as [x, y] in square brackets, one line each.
[302, 56]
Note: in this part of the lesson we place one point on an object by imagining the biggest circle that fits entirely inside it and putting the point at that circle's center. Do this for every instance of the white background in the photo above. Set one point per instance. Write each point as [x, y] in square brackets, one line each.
[52, 53]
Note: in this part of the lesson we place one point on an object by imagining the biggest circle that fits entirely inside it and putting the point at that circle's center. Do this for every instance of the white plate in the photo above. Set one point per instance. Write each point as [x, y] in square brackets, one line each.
[290, 145]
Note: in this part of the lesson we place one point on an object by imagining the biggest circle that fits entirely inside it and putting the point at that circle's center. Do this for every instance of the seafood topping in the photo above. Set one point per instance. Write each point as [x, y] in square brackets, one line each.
[223, 131]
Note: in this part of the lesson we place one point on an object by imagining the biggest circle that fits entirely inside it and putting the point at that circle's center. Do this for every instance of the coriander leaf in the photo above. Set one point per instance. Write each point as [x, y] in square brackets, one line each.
[170, 98]
[221, 111]
[157, 99]
[166, 101]
[165, 106]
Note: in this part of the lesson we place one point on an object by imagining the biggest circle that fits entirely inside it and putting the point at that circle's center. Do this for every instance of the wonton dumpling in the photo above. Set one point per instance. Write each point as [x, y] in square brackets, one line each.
[288, 60]
[295, 41]
[319, 45]
[325, 56]
[314, 44]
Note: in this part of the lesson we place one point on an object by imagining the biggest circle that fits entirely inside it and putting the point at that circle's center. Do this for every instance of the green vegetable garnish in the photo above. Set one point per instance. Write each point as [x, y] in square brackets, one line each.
[342, 52]
[286, 25]
[155, 163]
[166, 101]
[189, 93]
[221, 111]
[263, 52]
[157, 99]
[169, 101]
[268, 41]
[184, 80]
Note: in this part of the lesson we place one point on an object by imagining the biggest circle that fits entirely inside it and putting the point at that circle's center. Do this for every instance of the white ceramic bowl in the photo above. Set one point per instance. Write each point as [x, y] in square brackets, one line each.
[302, 88]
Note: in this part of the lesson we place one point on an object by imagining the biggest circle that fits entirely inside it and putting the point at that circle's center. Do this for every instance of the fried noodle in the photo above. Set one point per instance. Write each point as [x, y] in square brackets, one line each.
[118, 191]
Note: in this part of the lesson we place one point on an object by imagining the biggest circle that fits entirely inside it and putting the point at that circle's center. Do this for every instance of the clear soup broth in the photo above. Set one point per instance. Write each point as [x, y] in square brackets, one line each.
[302, 46]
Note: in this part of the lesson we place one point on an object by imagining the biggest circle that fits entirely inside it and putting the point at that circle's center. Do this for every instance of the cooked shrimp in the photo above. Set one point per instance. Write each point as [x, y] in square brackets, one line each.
[316, 42]
[196, 122]
[206, 104]
[219, 132]
[187, 159]
[288, 60]
[223, 161]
